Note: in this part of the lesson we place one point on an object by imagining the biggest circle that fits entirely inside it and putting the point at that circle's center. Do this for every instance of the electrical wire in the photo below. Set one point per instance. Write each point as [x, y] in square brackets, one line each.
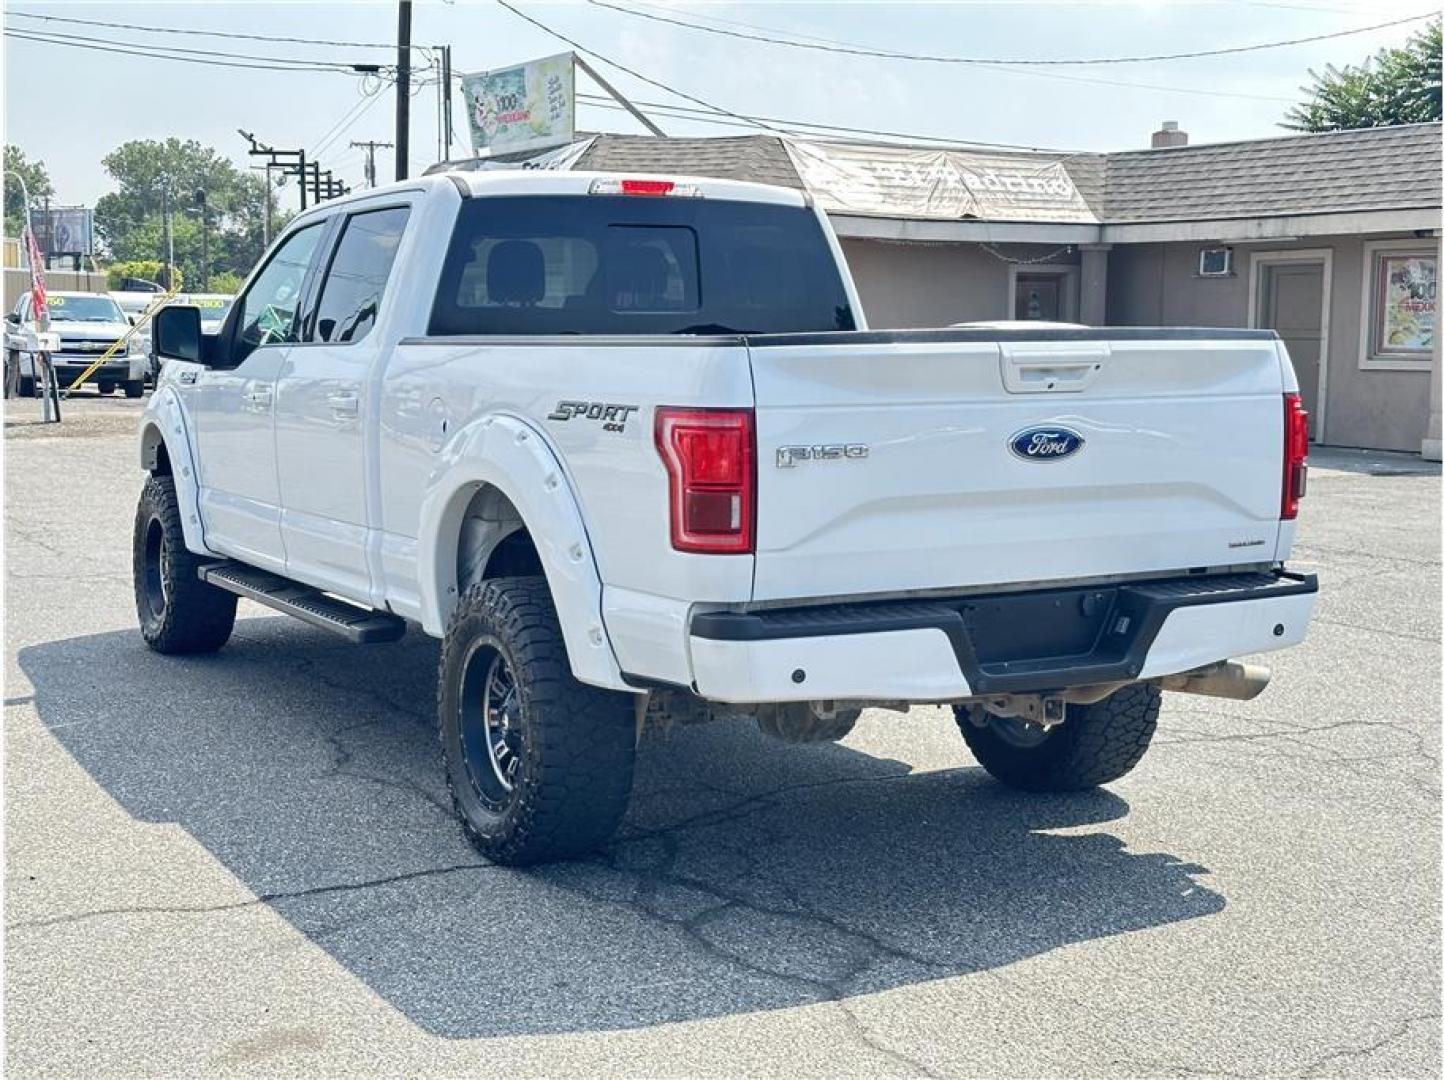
[355, 115]
[335, 65]
[150, 54]
[887, 54]
[1037, 73]
[211, 33]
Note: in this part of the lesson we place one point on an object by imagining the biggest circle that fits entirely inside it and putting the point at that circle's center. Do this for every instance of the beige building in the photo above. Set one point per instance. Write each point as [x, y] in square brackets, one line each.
[1331, 239]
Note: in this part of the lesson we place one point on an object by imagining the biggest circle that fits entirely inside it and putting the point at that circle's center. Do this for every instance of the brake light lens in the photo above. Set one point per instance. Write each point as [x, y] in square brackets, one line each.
[1296, 452]
[610, 186]
[710, 458]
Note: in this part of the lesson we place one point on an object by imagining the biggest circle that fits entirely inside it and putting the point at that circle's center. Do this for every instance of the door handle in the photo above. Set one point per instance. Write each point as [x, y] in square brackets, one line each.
[258, 397]
[345, 404]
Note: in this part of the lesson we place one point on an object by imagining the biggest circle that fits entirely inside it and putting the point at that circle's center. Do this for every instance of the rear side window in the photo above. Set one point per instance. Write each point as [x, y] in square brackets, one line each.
[356, 278]
[609, 264]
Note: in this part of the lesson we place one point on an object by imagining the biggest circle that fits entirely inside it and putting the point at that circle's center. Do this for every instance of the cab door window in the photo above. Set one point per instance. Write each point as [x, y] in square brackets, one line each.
[268, 310]
[356, 279]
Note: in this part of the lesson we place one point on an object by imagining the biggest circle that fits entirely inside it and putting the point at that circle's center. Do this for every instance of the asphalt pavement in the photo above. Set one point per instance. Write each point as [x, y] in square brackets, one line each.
[245, 863]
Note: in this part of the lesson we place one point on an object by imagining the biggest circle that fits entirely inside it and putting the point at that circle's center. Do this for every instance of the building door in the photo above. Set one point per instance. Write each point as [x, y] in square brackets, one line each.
[1038, 297]
[1292, 303]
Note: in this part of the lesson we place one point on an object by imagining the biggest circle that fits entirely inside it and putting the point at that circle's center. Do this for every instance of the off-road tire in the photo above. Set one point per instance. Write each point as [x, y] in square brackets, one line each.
[135, 388]
[1094, 745]
[578, 742]
[190, 616]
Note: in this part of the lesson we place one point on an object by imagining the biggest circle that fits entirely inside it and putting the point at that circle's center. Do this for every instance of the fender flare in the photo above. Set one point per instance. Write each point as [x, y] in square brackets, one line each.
[509, 454]
[164, 425]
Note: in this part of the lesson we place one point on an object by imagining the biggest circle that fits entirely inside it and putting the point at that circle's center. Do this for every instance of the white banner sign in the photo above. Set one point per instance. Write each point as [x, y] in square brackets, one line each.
[953, 184]
[519, 109]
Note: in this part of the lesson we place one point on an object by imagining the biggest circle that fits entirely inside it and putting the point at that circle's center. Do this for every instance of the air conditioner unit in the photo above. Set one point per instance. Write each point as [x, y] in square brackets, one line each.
[1215, 262]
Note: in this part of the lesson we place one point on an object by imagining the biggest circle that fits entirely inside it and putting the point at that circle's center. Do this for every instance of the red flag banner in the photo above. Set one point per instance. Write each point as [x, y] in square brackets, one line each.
[37, 276]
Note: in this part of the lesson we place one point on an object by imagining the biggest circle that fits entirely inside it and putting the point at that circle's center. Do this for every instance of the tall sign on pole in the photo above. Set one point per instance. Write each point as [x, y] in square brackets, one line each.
[529, 107]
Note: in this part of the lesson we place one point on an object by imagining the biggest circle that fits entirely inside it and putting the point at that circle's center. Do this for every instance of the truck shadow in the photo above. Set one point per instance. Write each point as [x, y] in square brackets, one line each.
[749, 875]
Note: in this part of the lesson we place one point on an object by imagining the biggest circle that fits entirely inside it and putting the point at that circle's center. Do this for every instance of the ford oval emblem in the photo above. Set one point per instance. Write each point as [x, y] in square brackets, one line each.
[1045, 443]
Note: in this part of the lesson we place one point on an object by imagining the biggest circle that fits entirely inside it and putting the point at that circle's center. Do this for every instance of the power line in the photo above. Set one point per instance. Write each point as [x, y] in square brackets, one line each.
[151, 54]
[335, 65]
[211, 33]
[887, 54]
[793, 127]
[348, 118]
[635, 74]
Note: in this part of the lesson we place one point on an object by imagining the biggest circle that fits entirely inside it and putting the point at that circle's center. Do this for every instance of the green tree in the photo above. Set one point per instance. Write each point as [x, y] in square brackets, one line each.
[36, 179]
[1394, 86]
[149, 174]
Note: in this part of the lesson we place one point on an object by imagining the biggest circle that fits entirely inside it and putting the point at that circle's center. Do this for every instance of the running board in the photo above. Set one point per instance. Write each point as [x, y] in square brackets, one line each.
[361, 626]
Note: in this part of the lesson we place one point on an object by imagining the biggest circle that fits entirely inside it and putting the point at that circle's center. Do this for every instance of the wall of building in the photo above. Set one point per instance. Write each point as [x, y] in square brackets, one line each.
[910, 285]
[18, 281]
[1158, 285]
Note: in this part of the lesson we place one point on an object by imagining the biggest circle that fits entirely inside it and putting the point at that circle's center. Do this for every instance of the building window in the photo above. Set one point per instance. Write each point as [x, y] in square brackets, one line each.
[1403, 304]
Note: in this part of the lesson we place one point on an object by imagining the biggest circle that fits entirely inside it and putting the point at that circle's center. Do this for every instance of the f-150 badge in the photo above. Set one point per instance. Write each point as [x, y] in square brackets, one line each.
[1045, 443]
[613, 417]
[789, 456]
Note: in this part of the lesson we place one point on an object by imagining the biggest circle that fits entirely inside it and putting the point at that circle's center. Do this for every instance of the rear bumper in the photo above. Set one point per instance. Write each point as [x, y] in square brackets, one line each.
[1022, 642]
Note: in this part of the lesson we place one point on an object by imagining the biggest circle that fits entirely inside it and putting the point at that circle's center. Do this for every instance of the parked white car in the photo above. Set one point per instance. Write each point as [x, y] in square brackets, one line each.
[88, 324]
[626, 445]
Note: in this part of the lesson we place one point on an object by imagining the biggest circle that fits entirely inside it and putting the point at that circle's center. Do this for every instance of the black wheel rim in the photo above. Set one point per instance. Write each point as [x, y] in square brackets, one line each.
[155, 595]
[493, 744]
[1016, 731]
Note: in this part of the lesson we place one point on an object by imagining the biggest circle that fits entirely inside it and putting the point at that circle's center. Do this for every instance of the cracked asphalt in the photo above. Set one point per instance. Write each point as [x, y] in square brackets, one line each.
[245, 863]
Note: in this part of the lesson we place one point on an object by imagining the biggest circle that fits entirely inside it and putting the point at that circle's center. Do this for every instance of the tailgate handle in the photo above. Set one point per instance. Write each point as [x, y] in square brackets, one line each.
[1051, 367]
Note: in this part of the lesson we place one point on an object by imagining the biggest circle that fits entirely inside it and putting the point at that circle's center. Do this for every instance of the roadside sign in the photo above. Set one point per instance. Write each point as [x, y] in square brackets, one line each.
[520, 109]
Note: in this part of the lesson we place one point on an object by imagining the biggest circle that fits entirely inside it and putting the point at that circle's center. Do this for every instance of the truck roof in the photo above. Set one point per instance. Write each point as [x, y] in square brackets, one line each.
[500, 182]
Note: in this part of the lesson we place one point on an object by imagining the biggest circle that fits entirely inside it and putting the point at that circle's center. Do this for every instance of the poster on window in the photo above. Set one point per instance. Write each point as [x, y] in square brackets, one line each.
[1409, 289]
[520, 109]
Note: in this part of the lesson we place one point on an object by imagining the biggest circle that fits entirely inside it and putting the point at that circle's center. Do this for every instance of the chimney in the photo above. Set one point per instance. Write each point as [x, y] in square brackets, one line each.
[1169, 135]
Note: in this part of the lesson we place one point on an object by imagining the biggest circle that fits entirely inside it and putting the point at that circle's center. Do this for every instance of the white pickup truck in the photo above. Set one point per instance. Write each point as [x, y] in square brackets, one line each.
[625, 444]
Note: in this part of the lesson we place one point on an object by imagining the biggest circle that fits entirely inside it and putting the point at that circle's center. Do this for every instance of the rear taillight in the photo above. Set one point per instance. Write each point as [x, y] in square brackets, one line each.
[711, 478]
[1296, 451]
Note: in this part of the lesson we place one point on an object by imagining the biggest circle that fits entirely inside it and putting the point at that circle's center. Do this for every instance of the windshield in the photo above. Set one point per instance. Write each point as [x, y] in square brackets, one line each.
[621, 264]
[84, 309]
[213, 308]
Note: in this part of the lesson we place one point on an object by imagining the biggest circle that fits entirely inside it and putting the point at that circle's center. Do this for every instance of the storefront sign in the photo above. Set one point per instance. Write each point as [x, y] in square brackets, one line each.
[519, 109]
[1408, 293]
[948, 184]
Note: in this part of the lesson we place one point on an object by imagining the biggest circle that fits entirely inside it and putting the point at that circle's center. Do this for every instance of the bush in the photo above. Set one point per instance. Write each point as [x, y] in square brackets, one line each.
[227, 281]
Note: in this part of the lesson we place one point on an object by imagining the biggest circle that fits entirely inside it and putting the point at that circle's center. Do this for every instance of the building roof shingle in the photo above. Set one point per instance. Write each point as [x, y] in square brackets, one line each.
[1335, 171]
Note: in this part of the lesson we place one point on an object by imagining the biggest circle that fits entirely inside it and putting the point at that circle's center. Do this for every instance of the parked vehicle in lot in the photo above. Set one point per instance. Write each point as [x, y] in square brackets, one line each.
[213, 308]
[626, 445]
[88, 324]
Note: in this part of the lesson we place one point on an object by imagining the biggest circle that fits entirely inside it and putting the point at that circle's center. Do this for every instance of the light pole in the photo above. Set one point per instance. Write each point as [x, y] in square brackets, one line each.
[205, 240]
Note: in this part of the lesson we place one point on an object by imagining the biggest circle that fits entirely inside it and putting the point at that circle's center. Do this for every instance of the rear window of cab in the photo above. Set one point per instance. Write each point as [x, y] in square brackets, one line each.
[627, 264]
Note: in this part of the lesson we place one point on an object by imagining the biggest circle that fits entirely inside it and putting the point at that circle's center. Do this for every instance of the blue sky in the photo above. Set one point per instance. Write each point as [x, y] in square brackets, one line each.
[69, 107]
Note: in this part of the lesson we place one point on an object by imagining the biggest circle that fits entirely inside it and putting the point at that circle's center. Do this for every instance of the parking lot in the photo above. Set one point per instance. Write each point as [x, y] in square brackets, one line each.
[246, 862]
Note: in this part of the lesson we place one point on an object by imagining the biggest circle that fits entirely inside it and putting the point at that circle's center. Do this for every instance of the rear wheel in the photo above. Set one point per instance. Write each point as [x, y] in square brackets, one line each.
[27, 386]
[135, 388]
[106, 388]
[1094, 745]
[178, 612]
[539, 764]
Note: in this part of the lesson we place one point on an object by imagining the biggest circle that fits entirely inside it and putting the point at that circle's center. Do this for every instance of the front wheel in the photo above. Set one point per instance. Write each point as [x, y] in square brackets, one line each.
[135, 388]
[539, 764]
[27, 386]
[1095, 744]
[178, 612]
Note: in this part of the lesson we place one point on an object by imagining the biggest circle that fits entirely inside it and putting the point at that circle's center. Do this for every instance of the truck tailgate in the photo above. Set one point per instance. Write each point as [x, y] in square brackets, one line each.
[933, 460]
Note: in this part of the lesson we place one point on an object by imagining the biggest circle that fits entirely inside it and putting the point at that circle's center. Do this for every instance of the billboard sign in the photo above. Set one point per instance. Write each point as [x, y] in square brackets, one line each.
[521, 109]
[64, 230]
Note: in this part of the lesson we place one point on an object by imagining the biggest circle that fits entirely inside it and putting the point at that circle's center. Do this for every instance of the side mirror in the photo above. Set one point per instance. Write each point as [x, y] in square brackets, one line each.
[176, 334]
[132, 319]
[13, 318]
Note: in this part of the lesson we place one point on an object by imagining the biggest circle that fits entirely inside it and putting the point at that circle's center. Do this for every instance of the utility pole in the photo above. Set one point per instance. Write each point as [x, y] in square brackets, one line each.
[446, 102]
[169, 235]
[403, 88]
[205, 241]
[371, 146]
